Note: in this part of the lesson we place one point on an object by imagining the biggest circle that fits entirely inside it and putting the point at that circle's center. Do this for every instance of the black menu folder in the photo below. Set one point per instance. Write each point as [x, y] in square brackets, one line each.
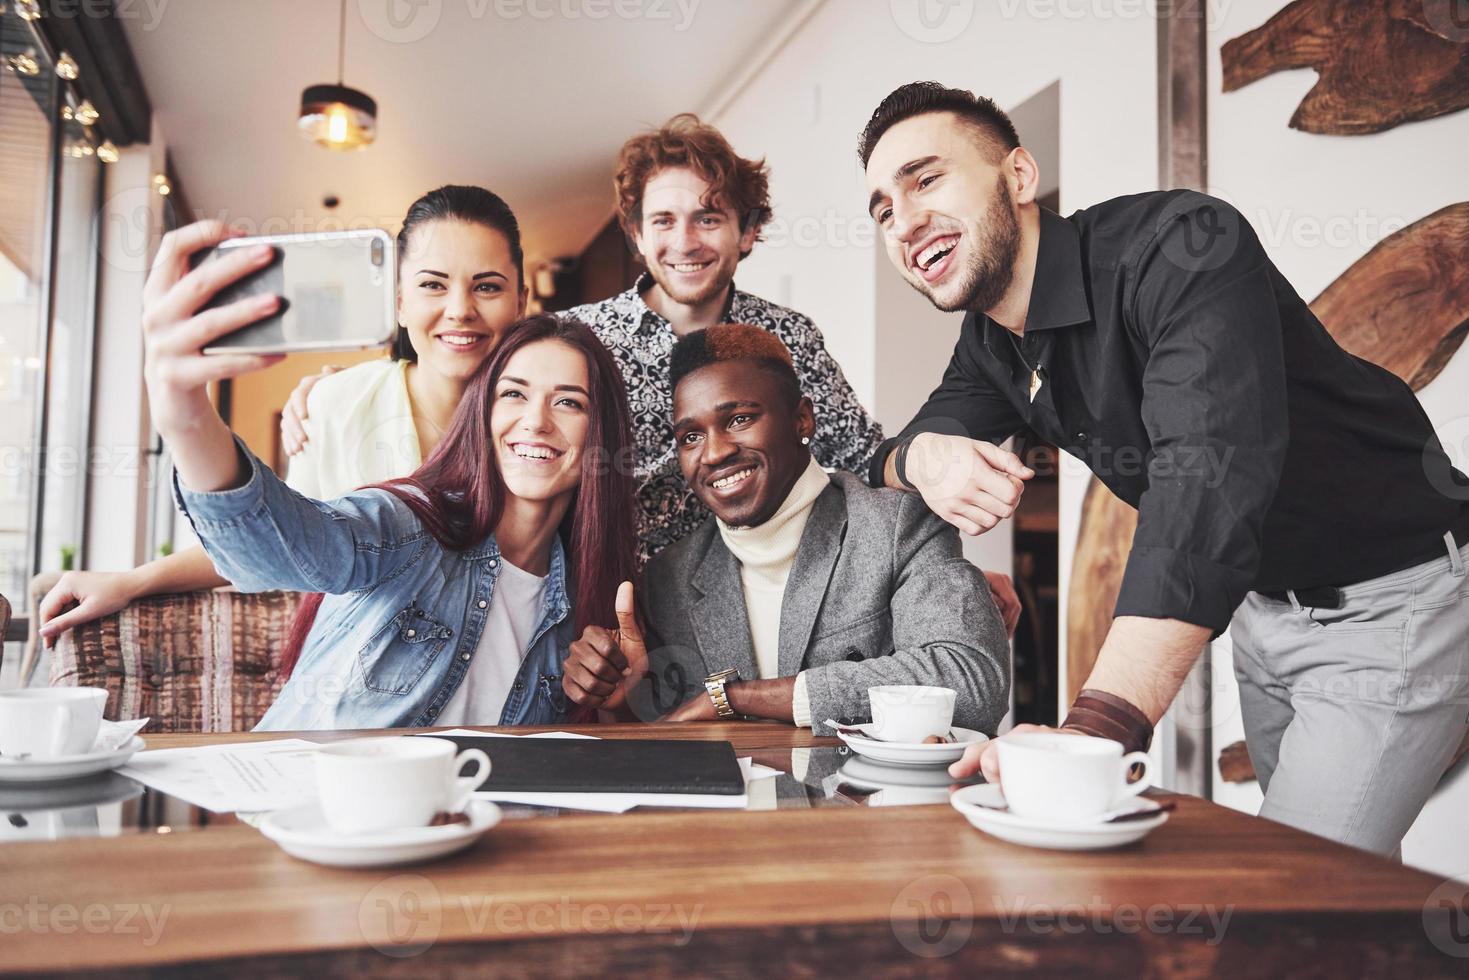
[611, 765]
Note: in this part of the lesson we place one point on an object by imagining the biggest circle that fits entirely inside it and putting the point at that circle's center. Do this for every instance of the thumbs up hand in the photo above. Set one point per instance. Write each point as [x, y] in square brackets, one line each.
[630, 635]
[602, 665]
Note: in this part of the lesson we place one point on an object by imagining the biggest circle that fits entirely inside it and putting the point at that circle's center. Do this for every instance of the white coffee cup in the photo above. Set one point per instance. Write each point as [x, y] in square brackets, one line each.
[46, 722]
[910, 712]
[1066, 777]
[394, 781]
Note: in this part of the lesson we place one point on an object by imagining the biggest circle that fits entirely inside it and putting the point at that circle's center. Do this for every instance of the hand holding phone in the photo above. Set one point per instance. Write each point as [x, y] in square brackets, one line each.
[175, 327]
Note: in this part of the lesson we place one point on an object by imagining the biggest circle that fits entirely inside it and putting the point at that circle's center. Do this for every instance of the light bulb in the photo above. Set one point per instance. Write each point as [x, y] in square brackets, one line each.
[25, 64]
[336, 124]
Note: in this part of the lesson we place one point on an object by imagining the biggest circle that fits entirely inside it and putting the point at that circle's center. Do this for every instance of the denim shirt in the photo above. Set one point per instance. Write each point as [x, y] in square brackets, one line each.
[400, 624]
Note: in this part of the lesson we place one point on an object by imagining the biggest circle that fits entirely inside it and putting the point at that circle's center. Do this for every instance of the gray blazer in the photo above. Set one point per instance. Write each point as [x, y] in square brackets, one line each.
[880, 593]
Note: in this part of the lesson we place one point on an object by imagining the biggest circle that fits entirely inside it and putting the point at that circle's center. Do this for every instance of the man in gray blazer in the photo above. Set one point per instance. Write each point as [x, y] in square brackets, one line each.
[804, 589]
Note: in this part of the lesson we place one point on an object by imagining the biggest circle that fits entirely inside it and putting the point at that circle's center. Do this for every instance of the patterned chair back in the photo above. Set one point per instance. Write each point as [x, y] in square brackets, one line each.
[194, 662]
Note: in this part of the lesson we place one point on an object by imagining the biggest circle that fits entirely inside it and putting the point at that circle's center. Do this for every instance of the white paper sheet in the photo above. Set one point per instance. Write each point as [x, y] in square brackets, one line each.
[266, 775]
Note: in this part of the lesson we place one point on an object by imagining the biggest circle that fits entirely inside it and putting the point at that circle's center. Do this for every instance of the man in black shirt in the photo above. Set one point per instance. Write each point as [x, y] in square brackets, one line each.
[1280, 482]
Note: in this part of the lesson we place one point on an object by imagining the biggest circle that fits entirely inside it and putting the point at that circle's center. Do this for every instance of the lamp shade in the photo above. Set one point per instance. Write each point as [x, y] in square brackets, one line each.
[338, 117]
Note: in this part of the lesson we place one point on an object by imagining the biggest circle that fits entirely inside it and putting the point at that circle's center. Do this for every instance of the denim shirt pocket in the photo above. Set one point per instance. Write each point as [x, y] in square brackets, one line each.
[396, 656]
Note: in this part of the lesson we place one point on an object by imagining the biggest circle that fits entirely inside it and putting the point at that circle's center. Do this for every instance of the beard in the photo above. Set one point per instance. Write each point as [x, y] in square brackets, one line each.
[691, 296]
[990, 268]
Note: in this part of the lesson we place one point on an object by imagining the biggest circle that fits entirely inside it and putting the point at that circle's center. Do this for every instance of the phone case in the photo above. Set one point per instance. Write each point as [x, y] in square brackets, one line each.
[336, 289]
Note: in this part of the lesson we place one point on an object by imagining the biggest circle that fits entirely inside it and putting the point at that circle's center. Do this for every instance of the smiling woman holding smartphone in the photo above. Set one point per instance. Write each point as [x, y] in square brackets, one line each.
[461, 285]
[448, 593]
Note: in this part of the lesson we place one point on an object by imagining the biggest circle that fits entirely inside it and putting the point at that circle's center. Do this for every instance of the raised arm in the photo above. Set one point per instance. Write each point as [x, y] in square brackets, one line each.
[258, 532]
[175, 330]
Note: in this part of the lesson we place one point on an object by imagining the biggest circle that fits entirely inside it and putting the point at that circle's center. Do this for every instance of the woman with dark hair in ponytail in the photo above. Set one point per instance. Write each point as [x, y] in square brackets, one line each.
[450, 596]
[461, 284]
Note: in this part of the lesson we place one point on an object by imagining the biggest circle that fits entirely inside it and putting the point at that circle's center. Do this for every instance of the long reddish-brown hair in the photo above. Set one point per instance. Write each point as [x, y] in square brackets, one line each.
[459, 495]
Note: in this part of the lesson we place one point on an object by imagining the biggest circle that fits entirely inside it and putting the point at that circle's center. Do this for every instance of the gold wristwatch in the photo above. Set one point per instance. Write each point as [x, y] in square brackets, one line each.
[714, 684]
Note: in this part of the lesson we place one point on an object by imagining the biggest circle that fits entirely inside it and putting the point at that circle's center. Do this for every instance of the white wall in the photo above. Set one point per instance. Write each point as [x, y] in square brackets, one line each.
[1319, 203]
[806, 109]
[132, 219]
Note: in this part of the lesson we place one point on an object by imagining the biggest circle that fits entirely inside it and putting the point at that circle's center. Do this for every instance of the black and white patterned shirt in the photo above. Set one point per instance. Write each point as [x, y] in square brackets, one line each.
[642, 341]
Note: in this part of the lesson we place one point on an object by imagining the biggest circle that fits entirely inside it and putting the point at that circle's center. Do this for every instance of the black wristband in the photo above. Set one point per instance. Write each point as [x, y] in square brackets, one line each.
[900, 463]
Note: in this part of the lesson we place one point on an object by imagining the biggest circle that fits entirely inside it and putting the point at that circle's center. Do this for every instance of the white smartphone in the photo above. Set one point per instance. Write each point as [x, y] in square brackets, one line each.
[337, 292]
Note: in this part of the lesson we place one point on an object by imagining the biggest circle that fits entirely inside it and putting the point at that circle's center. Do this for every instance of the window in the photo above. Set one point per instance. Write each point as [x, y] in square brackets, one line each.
[50, 187]
[28, 118]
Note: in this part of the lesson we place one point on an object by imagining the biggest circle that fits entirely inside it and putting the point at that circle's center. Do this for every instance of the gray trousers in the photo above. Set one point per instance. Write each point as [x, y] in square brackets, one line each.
[1351, 715]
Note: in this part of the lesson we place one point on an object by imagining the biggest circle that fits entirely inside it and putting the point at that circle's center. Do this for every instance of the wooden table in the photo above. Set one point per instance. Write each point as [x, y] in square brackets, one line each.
[839, 890]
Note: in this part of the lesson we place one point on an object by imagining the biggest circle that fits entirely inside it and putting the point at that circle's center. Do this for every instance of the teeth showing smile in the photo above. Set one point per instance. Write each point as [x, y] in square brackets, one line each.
[460, 339]
[935, 251]
[689, 266]
[534, 452]
[734, 478]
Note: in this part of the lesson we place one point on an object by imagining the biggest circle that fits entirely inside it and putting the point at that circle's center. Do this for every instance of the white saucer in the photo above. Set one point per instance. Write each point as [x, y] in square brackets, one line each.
[302, 832]
[109, 787]
[976, 803]
[67, 766]
[897, 785]
[913, 753]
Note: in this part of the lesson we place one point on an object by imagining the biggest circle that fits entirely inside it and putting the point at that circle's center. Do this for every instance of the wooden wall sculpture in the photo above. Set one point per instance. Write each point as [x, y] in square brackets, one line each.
[1403, 305]
[1382, 62]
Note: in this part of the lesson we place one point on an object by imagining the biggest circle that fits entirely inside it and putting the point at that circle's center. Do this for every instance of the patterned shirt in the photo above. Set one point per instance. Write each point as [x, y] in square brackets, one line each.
[642, 341]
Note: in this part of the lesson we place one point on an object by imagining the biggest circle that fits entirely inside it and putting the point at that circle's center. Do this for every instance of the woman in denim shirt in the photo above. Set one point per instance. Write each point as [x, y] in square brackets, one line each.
[461, 278]
[531, 473]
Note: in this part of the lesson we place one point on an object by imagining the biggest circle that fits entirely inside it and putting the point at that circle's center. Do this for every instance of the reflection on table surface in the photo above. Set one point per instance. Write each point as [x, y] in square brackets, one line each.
[111, 804]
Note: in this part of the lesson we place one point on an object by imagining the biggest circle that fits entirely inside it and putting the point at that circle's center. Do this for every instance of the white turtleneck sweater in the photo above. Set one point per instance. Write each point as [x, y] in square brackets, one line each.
[766, 553]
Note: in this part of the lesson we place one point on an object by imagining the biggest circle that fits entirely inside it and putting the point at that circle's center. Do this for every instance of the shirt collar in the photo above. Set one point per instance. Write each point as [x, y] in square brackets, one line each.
[1058, 292]
[647, 315]
[556, 595]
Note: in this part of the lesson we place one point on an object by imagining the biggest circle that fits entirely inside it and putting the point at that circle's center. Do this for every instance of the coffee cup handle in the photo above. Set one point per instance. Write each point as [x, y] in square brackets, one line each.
[464, 786]
[1144, 781]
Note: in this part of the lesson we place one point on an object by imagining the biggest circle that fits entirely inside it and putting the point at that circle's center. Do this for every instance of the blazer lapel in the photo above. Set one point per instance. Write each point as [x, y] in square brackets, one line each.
[821, 543]
[721, 624]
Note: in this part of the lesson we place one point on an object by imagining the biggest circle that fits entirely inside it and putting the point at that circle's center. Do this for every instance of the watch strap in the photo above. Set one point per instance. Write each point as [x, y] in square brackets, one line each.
[714, 684]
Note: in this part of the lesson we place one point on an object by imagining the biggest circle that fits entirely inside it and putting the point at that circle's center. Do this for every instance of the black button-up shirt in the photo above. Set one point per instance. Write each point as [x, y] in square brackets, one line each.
[1179, 364]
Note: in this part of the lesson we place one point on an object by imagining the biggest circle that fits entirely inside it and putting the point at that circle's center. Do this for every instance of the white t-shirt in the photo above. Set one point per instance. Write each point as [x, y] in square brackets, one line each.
[514, 614]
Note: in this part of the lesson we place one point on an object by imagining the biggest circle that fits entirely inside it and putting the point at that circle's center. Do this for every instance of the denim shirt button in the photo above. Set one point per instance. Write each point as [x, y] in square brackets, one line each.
[494, 562]
[483, 603]
[412, 633]
[464, 656]
[520, 685]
